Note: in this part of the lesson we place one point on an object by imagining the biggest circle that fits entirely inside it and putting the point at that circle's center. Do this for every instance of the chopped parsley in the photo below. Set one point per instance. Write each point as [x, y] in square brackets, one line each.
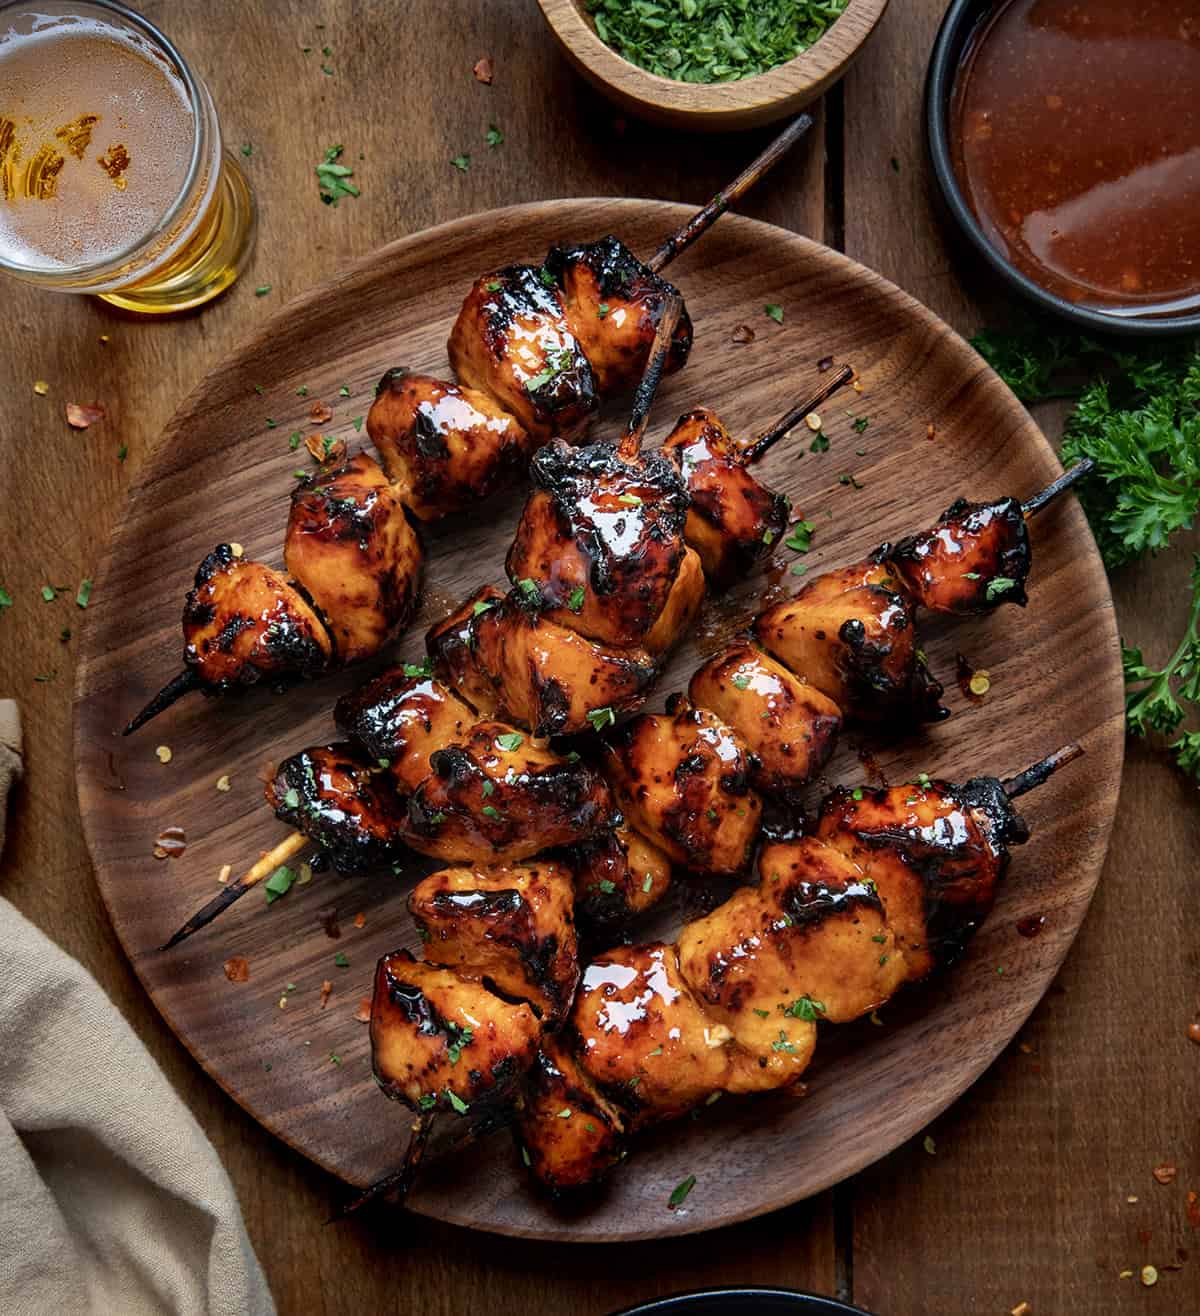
[292, 798]
[84, 594]
[279, 883]
[417, 670]
[575, 601]
[457, 1104]
[804, 1007]
[459, 1037]
[558, 361]
[800, 540]
[820, 443]
[602, 310]
[607, 886]
[510, 741]
[774, 312]
[998, 586]
[494, 136]
[741, 682]
[648, 883]
[262, 290]
[341, 961]
[333, 178]
[601, 718]
[680, 1191]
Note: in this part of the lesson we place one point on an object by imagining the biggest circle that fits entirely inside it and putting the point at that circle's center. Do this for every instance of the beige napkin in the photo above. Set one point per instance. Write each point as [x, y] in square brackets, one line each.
[112, 1200]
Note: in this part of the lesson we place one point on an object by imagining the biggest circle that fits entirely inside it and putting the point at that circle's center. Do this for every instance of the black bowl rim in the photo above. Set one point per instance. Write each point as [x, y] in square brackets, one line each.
[682, 1302]
[960, 20]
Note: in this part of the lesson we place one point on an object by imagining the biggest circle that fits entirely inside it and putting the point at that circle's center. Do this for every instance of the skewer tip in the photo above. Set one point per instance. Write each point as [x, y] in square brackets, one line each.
[1037, 774]
[1082, 468]
[179, 685]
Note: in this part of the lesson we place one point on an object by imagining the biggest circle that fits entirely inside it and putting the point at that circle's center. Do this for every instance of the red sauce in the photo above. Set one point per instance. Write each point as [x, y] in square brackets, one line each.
[1076, 138]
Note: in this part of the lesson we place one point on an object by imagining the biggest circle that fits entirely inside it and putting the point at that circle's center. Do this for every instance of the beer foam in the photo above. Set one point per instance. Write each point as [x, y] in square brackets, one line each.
[49, 76]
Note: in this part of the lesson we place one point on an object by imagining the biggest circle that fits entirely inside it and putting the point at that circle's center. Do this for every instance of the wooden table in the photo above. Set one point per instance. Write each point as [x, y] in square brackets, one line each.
[1041, 1187]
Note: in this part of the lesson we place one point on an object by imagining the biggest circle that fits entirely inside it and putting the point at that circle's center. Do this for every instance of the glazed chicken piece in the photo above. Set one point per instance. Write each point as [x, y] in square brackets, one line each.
[600, 541]
[681, 609]
[789, 726]
[618, 875]
[451, 648]
[683, 781]
[733, 521]
[245, 622]
[549, 677]
[811, 941]
[400, 719]
[444, 447]
[350, 544]
[974, 559]
[497, 798]
[340, 801]
[613, 304]
[935, 852]
[512, 341]
[441, 1041]
[512, 926]
[851, 633]
[648, 1042]
[570, 1132]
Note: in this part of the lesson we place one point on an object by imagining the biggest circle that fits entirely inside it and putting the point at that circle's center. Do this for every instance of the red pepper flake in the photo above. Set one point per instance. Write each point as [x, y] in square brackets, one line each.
[1032, 925]
[1193, 1210]
[363, 1013]
[931, 431]
[237, 969]
[319, 413]
[170, 843]
[326, 992]
[1165, 1172]
[360, 920]
[743, 334]
[484, 70]
[80, 415]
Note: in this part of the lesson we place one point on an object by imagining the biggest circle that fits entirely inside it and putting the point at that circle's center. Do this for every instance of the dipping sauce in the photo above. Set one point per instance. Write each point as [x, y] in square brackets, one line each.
[1075, 131]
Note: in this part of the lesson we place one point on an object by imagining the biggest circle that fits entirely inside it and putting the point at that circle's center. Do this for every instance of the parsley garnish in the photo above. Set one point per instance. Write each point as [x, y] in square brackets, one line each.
[602, 310]
[279, 883]
[459, 1037]
[85, 593]
[457, 1104]
[331, 177]
[461, 162]
[647, 883]
[558, 360]
[774, 311]
[490, 811]
[804, 1007]
[601, 718]
[483, 605]
[800, 540]
[741, 682]
[262, 290]
[292, 798]
[607, 886]
[494, 136]
[575, 600]
[680, 1191]
[820, 443]
[510, 741]
[998, 586]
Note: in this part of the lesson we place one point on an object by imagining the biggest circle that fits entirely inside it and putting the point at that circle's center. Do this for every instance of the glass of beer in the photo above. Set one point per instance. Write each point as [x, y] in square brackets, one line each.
[112, 176]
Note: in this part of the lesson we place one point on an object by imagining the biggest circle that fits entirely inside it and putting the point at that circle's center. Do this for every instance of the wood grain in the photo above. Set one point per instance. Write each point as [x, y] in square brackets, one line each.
[302, 1069]
[712, 107]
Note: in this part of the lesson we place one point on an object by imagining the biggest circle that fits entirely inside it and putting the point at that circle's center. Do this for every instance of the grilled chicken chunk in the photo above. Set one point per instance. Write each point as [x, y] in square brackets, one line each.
[571, 1133]
[851, 633]
[613, 304]
[683, 781]
[789, 726]
[438, 1039]
[681, 608]
[513, 926]
[600, 540]
[400, 719]
[451, 646]
[935, 852]
[974, 559]
[350, 544]
[618, 875]
[337, 799]
[646, 1040]
[245, 622]
[512, 341]
[733, 521]
[811, 941]
[549, 677]
[497, 798]
[444, 447]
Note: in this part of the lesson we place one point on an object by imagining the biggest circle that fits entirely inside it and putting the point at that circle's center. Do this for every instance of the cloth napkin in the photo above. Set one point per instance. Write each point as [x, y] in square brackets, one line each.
[112, 1200]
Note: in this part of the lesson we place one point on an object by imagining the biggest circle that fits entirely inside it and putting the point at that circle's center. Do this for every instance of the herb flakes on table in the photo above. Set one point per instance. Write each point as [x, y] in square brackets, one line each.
[711, 40]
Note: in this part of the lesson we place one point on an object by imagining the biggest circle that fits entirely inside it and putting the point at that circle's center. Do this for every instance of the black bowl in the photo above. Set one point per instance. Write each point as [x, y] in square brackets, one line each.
[744, 1302]
[953, 40]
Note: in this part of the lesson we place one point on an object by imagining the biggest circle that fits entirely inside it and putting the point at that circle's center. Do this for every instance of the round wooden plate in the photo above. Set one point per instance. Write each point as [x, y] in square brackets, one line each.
[940, 424]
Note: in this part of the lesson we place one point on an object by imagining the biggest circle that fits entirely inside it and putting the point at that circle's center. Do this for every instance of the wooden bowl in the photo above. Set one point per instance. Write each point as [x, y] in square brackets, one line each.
[717, 106]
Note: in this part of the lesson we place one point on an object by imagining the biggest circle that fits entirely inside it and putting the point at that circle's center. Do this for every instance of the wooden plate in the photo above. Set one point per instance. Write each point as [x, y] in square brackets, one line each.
[940, 424]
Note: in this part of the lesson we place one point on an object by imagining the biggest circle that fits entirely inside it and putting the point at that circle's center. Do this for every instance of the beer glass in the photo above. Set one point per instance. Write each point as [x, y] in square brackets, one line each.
[112, 176]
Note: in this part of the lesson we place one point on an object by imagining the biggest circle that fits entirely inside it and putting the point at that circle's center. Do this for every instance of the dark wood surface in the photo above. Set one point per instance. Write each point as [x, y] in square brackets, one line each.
[1049, 689]
[1027, 1196]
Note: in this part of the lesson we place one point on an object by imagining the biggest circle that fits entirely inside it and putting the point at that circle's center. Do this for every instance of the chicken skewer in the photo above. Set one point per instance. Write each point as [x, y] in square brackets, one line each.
[838, 922]
[535, 348]
[761, 719]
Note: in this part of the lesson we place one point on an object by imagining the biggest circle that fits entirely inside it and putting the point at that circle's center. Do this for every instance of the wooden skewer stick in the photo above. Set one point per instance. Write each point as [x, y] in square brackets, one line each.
[398, 1184]
[178, 686]
[290, 844]
[761, 442]
[1083, 467]
[703, 220]
[1037, 774]
[643, 398]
